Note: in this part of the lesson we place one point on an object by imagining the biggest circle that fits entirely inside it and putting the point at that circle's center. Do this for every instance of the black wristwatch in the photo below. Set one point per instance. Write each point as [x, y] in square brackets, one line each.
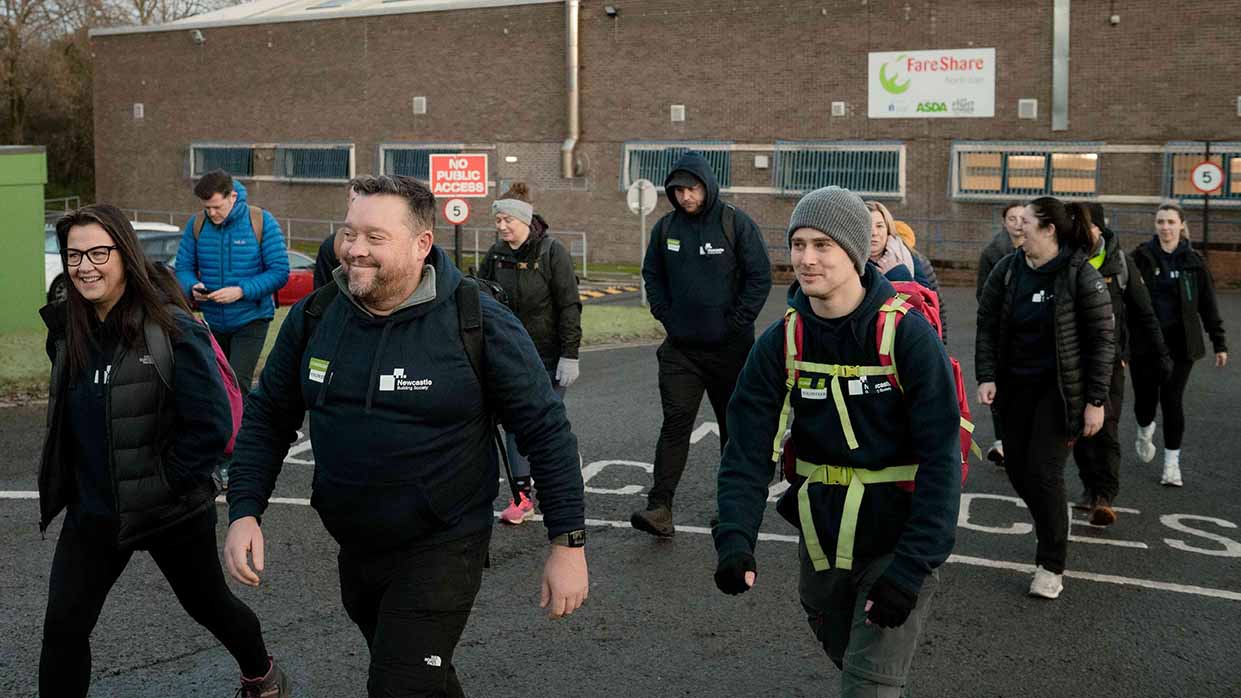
[1096, 403]
[572, 539]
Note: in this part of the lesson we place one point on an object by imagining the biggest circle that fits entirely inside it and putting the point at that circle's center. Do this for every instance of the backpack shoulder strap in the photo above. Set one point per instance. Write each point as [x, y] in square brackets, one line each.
[199, 221]
[312, 312]
[159, 346]
[256, 222]
[729, 221]
[793, 334]
[470, 324]
[890, 315]
[545, 258]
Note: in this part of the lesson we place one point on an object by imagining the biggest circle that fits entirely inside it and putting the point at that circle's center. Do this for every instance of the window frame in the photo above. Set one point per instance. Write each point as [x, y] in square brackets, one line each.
[278, 148]
[216, 145]
[434, 148]
[629, 147]
[787, 147]
[1047, 150]
[1226, 154]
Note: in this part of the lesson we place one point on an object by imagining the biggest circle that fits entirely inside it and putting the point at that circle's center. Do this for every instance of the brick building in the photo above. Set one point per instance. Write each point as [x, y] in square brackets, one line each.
[1095, 100]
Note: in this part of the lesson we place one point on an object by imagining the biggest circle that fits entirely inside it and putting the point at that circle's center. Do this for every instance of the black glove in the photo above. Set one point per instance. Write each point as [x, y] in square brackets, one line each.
[730, 573]
[890, 604]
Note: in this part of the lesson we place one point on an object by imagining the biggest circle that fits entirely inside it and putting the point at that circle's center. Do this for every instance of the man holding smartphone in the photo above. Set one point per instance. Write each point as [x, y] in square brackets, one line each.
[232, 260]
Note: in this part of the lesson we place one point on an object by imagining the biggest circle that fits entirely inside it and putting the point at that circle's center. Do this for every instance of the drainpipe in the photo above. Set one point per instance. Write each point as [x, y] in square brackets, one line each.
[568, 167]
[1060, 67]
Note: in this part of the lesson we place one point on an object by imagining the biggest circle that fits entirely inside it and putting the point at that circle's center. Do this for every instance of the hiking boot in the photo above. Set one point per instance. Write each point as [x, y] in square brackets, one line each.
[517, 512]
[1046, 585]
[1145, 444]
[1171, 468]
[656, 521]
[1084, 502]
[1101, 512]
[996, 454]
[274, 685]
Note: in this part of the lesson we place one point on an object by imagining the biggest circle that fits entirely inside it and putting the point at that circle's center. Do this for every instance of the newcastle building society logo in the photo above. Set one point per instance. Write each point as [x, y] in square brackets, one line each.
[396, 381]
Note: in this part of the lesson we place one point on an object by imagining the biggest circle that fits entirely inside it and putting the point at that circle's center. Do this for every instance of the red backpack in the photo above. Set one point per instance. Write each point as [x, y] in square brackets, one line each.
[160, 347]
[909, 295]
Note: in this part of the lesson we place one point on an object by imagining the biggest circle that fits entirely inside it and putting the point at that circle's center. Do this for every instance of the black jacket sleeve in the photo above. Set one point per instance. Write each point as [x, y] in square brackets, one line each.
[1096, 327]
[274, 412]
[985, 265]
[987, 337]
[203, 421]
[655, 274]
[1208, 310]
[565, 300]
[518, 387]
[487, 269]
[755, 273]
[1145, 335]
[325, 261]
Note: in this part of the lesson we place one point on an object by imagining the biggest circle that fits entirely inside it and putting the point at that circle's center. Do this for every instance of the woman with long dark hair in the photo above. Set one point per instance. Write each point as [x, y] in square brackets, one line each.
[1044, 356]
[1184, 298]
[128, 457]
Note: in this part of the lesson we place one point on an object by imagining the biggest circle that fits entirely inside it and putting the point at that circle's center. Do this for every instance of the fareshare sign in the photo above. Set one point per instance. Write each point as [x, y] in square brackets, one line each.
[932, 84]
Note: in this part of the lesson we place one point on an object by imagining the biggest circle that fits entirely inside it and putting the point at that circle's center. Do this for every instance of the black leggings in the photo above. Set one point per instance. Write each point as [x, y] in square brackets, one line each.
[1149, 394]
[1036, 446]
[84, 570]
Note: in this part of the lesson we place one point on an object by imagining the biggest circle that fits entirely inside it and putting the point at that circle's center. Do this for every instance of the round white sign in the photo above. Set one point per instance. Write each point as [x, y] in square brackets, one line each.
[456, 211]
[1207, 177]
[642, 196]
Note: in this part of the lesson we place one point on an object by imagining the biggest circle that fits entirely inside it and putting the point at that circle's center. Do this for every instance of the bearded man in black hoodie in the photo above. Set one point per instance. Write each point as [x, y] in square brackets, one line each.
[707, 276]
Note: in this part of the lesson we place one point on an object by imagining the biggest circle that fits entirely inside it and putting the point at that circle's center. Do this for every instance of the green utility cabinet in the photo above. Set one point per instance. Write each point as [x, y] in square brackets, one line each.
[23, 172]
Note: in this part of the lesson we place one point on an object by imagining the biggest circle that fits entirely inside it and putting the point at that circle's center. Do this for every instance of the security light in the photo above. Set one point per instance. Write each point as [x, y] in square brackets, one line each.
[610, 10]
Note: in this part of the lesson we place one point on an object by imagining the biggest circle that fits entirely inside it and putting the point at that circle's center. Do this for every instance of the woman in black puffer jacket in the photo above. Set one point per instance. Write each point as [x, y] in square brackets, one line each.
[536, 271]
[1184, 298]
[1044, 356]
[129, 458]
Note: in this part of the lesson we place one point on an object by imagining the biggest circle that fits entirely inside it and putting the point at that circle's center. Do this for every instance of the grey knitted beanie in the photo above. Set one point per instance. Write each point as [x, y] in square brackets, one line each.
[841, 215]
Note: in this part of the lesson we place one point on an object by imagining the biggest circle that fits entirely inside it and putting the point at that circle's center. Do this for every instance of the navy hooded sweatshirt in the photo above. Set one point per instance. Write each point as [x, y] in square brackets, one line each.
[702, 289]
[399, 424]
[917, 425]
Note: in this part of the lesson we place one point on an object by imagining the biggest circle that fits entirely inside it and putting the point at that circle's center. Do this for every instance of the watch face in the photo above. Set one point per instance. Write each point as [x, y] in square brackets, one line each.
[577, 538]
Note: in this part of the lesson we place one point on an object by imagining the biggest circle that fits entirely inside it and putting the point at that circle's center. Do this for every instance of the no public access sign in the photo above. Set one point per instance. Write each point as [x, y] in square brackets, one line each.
[459, 175]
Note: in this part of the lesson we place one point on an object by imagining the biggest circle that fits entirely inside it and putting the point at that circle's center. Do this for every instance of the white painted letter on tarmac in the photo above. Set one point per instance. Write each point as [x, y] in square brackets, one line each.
[596, 467]
[963, 519]
[1176, 522]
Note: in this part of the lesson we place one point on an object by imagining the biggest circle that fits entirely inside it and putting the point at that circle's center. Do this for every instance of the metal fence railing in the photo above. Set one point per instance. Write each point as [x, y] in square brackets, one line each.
[61, 205]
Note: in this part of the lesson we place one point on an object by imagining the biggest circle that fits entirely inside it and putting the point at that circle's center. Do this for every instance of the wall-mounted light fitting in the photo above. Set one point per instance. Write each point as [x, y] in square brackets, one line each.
[610, 10]
[197, 37]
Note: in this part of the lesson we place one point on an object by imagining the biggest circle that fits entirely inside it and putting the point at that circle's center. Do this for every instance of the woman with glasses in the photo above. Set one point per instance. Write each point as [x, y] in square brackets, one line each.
[128, 458]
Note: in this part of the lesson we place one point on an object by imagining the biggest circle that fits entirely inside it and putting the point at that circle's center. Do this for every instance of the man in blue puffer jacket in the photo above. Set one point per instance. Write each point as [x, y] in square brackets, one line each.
[232, 270]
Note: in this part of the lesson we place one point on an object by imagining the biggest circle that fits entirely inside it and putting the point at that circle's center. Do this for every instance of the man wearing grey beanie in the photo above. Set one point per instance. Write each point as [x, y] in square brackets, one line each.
[868, 560]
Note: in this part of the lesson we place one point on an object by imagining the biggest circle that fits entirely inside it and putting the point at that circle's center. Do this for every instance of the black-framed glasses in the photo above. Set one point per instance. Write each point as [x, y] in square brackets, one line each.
[96, 255]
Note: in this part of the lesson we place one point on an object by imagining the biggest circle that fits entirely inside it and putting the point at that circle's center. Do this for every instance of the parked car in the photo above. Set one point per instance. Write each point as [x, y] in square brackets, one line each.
[159, 241]
[301, 279]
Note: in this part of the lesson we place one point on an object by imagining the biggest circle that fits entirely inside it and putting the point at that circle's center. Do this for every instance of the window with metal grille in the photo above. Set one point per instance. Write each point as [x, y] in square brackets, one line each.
[653, 161]
[331, 163]
[1025, 172]
[413, 161]
[874, 169]
[1178, 166]
[235, 160]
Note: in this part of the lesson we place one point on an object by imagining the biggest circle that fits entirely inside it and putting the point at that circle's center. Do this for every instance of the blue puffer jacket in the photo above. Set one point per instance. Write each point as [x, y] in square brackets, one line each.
[229, 255]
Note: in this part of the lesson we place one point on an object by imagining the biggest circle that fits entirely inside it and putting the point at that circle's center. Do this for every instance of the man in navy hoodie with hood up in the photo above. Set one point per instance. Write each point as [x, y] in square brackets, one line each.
[869, 547]
[707, 276]
[405, 466]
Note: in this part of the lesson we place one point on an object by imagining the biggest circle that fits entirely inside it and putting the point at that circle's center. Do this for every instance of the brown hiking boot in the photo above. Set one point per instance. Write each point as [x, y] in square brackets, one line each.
[274, 685]
[1101, 513]
[1084, 502]
[657, 521]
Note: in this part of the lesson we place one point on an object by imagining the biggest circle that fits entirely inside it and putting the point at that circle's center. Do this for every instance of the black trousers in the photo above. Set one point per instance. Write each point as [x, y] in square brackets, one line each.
[411, 606]
[1036, 446]
[684, 374]
[83, 572]
[242, 346]
[1149, 394]
[1098, 457]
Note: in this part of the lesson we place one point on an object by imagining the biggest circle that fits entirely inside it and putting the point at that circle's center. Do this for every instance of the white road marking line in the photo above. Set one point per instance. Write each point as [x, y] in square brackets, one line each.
[954, 559]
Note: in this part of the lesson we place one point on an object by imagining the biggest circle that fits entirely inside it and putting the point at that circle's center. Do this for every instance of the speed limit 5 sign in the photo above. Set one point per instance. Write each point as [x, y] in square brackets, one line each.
[456, 211]
[1207, 177]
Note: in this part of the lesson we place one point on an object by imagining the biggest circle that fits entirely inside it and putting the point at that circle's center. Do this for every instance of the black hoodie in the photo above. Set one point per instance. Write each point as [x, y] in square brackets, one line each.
[399, 423]
[919, 424]
[702, 289]
[1184, 297]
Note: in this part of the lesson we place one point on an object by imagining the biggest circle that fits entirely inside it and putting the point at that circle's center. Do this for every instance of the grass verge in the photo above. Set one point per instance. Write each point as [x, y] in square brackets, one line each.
[24, 372]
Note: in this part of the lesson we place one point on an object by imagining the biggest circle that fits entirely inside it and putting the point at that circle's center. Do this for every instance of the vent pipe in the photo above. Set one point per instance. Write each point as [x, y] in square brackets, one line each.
[568, 166]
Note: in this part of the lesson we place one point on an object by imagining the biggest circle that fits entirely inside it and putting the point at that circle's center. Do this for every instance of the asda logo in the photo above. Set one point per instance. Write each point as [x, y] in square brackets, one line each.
[891, 81]
[932, 107]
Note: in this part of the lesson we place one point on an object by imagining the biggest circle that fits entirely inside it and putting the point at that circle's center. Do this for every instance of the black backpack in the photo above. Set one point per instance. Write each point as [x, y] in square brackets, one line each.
[469, 323]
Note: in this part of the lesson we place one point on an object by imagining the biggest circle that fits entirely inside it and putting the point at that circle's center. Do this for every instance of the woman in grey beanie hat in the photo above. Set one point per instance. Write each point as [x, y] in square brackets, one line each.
[536, 271]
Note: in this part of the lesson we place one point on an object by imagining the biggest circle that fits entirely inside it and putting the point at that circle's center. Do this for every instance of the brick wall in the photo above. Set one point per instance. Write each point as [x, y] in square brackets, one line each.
[748, 72]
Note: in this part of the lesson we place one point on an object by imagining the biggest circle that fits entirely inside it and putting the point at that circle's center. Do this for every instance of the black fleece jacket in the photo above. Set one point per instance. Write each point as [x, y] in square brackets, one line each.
[1191, 293]
[703, 290]
[1137, 327]
[919, 425]
[399, 424]
[1082, 329]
